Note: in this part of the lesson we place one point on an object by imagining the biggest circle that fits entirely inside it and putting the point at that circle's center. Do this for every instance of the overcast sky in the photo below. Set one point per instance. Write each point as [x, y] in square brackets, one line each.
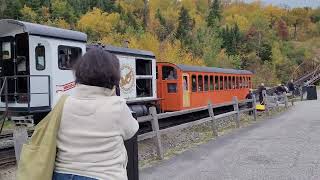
[293, 3]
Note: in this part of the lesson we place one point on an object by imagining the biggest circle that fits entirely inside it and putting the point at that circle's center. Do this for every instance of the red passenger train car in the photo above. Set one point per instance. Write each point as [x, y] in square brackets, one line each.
[183, 87]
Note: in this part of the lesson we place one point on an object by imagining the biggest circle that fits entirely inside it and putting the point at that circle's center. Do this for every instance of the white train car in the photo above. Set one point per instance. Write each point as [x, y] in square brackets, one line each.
[36, 61]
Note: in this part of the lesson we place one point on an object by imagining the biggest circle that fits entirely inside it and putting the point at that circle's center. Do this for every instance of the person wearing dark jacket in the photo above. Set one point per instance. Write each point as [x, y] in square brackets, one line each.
[260, 90]
[291, 86]
[250, 104]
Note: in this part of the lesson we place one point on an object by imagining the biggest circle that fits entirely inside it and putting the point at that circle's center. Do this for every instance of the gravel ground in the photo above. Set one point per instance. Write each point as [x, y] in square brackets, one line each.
[8, 173]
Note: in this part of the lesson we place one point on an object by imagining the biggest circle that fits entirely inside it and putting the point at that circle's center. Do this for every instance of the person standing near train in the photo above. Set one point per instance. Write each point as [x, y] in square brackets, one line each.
[95, 122]
[260, 91]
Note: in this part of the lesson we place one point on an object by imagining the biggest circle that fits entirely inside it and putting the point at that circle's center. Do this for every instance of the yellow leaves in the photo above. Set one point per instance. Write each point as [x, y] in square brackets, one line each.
[97, 22]
[61, 23]
[241, 21]
[28, 14]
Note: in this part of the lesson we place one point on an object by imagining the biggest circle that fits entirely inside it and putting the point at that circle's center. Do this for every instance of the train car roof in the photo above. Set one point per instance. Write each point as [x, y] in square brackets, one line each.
[189, 68]
[124, 51]
[8, 25]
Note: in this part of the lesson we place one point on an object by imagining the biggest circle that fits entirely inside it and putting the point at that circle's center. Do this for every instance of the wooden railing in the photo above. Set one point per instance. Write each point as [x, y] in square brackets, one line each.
[154, 118]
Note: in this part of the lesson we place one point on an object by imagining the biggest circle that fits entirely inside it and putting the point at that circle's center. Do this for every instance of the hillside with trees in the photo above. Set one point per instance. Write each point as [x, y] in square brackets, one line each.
[268, 40]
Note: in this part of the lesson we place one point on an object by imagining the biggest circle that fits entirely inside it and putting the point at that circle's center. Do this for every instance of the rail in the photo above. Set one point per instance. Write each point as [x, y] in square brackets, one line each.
[154, 117]
[29, 92]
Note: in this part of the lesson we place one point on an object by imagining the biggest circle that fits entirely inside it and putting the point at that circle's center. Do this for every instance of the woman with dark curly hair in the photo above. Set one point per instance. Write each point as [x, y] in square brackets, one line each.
[95, 122]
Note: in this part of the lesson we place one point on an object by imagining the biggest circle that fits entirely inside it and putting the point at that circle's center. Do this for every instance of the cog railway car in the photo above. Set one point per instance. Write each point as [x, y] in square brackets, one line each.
[183, 87]
[36, 61]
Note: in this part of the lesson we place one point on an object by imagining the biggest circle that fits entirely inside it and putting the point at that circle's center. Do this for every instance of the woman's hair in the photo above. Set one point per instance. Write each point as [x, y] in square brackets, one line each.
[97, 67]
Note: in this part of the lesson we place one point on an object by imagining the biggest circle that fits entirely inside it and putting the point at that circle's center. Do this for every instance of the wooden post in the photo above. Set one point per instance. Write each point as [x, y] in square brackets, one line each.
[155, 128]
[236, 108]
[254, 103]
[214, 123]
[285, 99]
[265, 100]
[20, 136]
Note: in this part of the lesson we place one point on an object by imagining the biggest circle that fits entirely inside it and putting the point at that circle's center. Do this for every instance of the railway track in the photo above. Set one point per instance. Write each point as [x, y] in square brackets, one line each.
[7, 157]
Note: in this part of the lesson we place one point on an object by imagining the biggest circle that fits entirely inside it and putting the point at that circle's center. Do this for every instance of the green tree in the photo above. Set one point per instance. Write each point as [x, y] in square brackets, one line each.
[62, 9]
[186, 24]
[214, 16]
[10, 9]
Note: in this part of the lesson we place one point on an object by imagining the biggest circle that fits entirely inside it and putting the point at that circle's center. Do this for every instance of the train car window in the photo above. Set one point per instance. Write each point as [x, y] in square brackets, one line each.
[216, 82]
[206, 81]
[169, 73]
[143, 67]
[185, 83]
[221, 83]
[194, 83]
[225, 82]
[233, 82]
[240, 82]
[172, 87]
[230, 82]
[250, 83]
[237, 82]
[247, 82]
[211, 83]
[67, 56]
[6, 50]
[144, 87]
[40, 58]
[200, 83]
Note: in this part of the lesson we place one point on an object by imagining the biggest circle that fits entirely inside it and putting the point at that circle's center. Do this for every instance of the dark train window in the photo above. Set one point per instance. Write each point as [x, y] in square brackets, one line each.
[200, 83]
[216, 82]
[40, 58]
[194, 83]
[250, 83]
[225, 82]
[144, 87]
[172, 87]
[211, 83]
[169, 73]
[206, 81]
[230, 82]
[247, 82]
[240, 82]
[233, 82]
[221, 83]
[143, 67]
[67, 56]
[237, 82]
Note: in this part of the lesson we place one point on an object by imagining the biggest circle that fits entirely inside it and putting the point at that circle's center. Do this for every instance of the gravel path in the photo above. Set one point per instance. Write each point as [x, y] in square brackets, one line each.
[285, 147]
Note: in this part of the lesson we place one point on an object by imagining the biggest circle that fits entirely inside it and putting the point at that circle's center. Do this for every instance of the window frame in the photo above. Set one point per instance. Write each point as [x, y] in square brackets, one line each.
[196, 83]
[206, 84]
[211, 83]
[44, 57]
[200, 86]
[66, 46]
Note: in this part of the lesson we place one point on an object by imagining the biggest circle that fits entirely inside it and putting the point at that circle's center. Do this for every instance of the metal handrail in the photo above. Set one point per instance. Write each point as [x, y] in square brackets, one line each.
[28, 93]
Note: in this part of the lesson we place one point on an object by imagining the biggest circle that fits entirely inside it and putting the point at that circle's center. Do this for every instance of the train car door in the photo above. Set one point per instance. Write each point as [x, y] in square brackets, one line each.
[186, 90]
[40, 70]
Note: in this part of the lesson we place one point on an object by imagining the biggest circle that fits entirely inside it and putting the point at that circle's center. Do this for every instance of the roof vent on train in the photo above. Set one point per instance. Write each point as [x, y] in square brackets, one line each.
[9, 25]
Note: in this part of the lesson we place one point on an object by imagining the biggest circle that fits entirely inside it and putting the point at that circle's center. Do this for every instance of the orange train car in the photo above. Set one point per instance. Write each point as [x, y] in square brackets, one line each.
[183, 87]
